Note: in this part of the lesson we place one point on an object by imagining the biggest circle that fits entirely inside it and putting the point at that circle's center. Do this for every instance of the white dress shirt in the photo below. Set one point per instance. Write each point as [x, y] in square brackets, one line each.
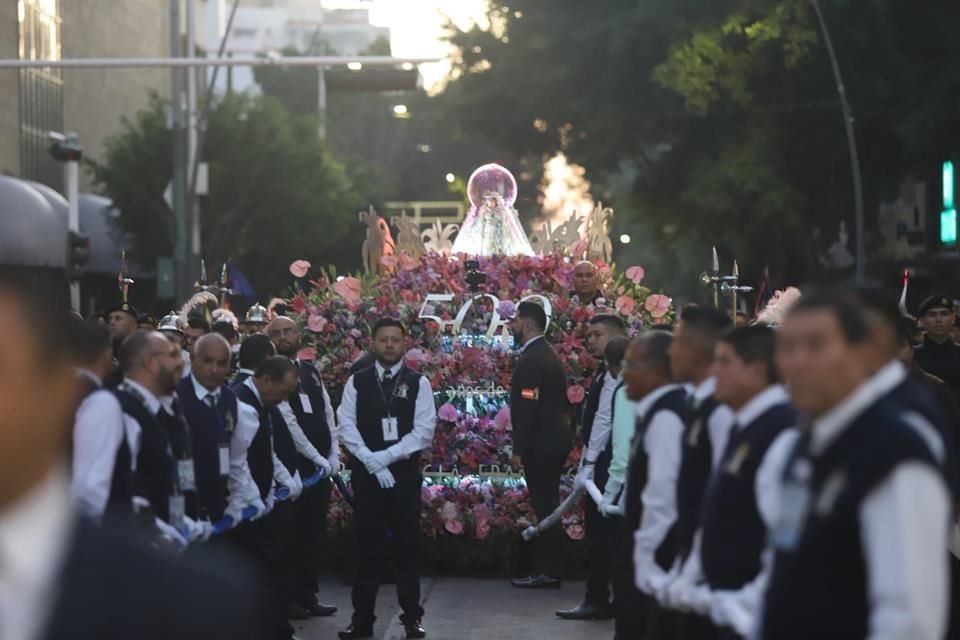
[419, 438]
[602, 420]
[662, 444]
[35, 537]
[719, 422]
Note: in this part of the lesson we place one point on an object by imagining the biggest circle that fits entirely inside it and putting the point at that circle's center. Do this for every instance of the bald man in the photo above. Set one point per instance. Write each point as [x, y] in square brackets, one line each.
[224, 483]
[586, 283]
[310, 420]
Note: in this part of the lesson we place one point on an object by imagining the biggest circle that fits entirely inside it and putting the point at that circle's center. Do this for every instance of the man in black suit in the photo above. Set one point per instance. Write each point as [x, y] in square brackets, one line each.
[72, 579]
[542, 437]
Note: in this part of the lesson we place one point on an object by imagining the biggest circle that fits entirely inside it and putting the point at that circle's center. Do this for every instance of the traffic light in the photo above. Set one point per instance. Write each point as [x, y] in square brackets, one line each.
[78, 253]
[948, 216]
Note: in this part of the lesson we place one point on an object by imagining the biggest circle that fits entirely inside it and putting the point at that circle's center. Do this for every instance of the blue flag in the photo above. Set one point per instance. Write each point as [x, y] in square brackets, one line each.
[239, 284]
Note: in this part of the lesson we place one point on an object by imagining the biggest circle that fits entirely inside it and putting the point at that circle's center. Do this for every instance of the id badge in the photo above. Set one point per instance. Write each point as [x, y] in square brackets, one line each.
[794, 506]
[305, 403]
[224, 460]
[177, 511]
[390, 431]
[185, 477]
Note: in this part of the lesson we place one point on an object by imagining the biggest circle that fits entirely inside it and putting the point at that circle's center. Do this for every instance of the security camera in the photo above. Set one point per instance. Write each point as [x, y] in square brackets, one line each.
[64, 148]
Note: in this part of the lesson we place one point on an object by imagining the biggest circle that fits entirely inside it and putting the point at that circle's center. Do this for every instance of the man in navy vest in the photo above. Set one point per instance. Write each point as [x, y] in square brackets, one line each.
[595, 429]
[861, 535]
[723, 574]
[270, 455]
[387, 417]
[310, 418]
[102, 466]
[224, 484]
[651, 492]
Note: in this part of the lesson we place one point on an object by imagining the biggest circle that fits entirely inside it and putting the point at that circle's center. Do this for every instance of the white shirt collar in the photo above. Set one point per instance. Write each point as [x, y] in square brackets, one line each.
[153, 402]
[829, 426]
[644, 404]
[889, 377]
[89, 375]
[529, 342]
[610, 379]
[248, 372]
[758, 405]
[34, 539]
[704, 390]
[393, 370]
[256, 392]
[201, 391]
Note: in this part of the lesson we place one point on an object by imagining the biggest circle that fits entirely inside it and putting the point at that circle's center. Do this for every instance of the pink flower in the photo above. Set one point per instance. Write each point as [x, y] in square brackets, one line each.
[299, 268]
[447, 412]
[575, 532]
[406, 262]
[349, 289]
[625, 305]
[658, 305]
[389, 262]
[575, 394]
[455, 527]
[506, 309]
[307, 353]
[502, 419]
[415, 359]
[316, 323]
[635, 274]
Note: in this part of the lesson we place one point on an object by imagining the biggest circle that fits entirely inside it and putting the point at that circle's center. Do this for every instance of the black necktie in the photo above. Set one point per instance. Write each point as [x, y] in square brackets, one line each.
[733, 441]
[387, 384]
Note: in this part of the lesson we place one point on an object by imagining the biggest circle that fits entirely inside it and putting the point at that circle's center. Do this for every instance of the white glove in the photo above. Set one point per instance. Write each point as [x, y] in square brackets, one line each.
[386, 479]
[334, 460]
[697, 599]
[585, 473]
[268, 503]
[374, 463]
[672, 598]
[325, 467]
[169, 532]
[731, 612]
[205, 530]
[295, 486]
[669, 579]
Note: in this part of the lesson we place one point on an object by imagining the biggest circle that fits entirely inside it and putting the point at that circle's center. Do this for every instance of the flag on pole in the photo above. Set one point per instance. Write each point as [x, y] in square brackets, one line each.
[764, 292]
[239, 284]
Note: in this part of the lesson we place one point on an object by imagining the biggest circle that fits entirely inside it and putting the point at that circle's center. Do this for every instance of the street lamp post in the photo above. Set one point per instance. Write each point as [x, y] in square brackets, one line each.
[852, 144]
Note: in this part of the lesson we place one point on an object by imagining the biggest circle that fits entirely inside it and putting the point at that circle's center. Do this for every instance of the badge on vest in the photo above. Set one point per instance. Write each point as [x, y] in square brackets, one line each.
[224, 460]
[530, 394]
[403, 391]
[305, 403]
[736, 460]
[185, 477]
[832, 489]
[178, 507]
[694, 436]
[391, 432]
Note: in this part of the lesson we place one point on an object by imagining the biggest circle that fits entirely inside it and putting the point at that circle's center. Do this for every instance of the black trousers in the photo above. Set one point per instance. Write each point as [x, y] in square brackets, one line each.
[543, 484]
[310, 515]
[629, 603]
[603, 535]
[386, 523]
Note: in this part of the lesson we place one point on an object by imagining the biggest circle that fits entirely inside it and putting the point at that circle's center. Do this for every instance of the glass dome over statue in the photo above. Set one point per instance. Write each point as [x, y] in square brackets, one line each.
[492, 226]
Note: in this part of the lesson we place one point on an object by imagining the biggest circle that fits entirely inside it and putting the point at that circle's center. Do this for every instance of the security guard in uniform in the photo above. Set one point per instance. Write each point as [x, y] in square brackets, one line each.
[121, 319]
[938, 354]
[387, 417]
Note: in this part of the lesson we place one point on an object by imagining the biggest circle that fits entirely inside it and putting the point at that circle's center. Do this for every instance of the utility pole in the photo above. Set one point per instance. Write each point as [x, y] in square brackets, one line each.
[851, 143]
[180, 269]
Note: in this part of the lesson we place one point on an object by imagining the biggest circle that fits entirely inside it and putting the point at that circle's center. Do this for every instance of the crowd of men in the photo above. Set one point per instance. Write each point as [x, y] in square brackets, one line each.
[797, 481]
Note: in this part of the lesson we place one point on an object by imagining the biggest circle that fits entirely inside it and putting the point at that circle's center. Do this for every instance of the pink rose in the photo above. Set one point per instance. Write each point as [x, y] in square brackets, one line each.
[575, 394]
[299, 268]
[502, 419]
[307, 353]
[349, 289]
[389, 262]
[625, 305]
[447, 412]
[453, 526]
[658, 305]
[635, 274]
[406, 262]
[415, 359]
[316, 323]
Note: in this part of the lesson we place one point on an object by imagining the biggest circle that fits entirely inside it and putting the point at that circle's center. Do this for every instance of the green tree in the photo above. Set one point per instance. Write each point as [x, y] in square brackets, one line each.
[277, 193]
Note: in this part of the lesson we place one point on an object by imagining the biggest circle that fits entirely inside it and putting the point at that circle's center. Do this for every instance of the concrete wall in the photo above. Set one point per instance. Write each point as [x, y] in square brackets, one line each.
[9, 91]
[96, 100]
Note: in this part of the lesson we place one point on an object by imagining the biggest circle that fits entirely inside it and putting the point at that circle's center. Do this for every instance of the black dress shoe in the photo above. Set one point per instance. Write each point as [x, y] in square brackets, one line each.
[353, 632]
[297, 612]
[538, 581]
[587, 611]
[320, 610]
[414, 629]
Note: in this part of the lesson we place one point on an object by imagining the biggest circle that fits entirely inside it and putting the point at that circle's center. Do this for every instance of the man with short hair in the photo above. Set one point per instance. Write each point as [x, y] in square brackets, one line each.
[309, 417]
[387, 417]
[197, 326]
[100, 449]
[724, 573]
[595, 428]
[121, 319]
[861, 535]
[938, 354]
[651, 487]
[542, 438]
[586, 283]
